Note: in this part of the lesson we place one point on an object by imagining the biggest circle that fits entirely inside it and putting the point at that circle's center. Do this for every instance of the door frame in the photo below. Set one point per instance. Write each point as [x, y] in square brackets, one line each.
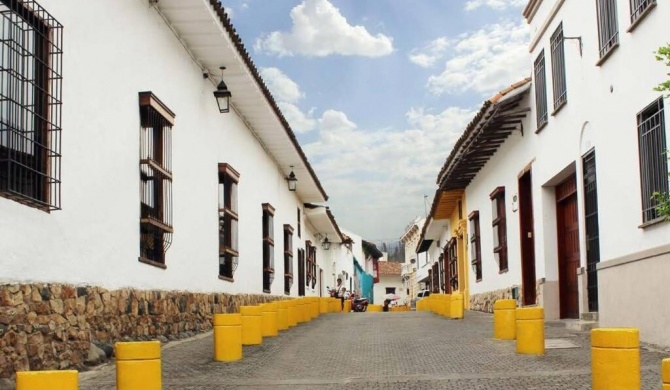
[527, 238]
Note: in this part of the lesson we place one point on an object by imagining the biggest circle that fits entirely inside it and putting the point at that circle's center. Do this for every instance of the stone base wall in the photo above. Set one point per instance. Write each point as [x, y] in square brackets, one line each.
[484, 301]
[52, 326]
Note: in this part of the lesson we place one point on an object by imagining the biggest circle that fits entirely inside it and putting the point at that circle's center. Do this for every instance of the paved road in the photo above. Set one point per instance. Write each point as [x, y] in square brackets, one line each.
[413, 350]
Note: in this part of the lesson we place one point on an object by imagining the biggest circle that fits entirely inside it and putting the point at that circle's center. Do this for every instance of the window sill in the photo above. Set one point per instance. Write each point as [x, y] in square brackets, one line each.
[226, 279]
[288, 294]
[642, 16]
[503, 271]
[542, 126]
[152, 263]
[559, 108]
[607, 55]
[478, 280]
[25, 201]
[653, 222]
[266, 291]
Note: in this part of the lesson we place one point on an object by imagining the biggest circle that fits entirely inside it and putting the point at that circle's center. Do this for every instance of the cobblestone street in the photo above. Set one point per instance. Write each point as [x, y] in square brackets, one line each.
[414, 350]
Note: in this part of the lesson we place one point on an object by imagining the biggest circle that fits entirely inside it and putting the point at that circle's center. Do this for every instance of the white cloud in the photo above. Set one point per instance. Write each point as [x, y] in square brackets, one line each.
[282, 87]
[486, 60]
[376, 178]
[427, 56]
[287, 93]
[319, 30]
[471, 5]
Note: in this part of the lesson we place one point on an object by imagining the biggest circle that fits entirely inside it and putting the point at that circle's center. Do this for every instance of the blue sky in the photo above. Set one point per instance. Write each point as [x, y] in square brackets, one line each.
[378, 91]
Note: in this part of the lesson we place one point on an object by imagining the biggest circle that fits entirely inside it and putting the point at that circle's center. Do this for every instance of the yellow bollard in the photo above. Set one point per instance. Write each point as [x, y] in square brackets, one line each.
[282, 315]
[323, 305]
[615, 359]
[347, 306]
[292, 313]
[315, 307]
[53, 380]
[665, 374]
[302, 313]
[331, 305]
[375, 308]
[227, 337]
[530, 331]
[504, 319]
[269, 320]
[456, 306]
[138, 365]
[251, 325]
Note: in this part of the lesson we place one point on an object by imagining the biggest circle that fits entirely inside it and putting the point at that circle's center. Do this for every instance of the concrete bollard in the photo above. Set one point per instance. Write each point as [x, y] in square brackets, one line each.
[530, 331]
[504, 319]
[323, 305]
[456, 306]
[282, 315]
[54, 380]
[251, 325]
[269, 320]
[227, 337]
[292, 313]
[347, 306]
[615, 359]
[138, 365]
[665, 374]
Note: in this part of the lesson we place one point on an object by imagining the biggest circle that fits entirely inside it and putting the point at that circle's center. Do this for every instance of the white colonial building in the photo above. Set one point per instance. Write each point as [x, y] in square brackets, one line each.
[559, 170]
[129, 181]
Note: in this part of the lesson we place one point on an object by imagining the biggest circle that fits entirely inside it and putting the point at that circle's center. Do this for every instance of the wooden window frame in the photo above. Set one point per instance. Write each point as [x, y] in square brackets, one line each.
[268, 247]
[229, 180]
[301, 272]
[500, 221]
[288, 259]
[299, 222]
[155, 168]
[475, 245]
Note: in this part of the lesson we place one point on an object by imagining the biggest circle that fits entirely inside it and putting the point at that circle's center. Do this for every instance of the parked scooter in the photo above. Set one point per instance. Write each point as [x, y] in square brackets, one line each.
[358, 304]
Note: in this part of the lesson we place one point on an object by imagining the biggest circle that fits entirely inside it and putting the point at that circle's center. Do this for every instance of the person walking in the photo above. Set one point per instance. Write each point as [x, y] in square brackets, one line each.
[340, 290]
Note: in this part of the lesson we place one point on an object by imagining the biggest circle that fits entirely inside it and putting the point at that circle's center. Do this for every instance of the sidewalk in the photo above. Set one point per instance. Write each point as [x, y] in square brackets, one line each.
[413, 350]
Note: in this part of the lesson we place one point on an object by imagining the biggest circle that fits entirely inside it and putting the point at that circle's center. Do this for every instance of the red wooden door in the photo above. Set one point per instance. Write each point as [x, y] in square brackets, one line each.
[568, 247]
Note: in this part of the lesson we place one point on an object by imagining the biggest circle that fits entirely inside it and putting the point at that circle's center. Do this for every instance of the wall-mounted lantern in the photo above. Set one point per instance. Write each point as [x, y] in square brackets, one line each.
[325, 244]
[222, 94]
[292, 180]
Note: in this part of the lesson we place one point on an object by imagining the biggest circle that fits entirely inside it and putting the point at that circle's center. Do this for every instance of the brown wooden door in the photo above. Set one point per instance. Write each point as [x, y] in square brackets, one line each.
[568, 247]
[527, 234]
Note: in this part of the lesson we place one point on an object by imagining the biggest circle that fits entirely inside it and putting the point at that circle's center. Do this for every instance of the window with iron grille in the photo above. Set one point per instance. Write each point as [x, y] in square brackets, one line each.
[229, 254]
[541, 91]
[313, 273]
[558, 68]
[155, 179]
[475, 245]
[499, 228]
[452, 260]
[390, 290]
[653, 157]
[608, 27]
[288, 259]
[443, 269]
[301, 272]
[638, 8]
[268, 247]
[31, 42]
[308, 263]
[299, 224]
[435, 278]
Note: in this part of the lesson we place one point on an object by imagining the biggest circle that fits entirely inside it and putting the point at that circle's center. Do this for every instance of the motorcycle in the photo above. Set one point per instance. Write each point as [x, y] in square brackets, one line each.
[359, 305]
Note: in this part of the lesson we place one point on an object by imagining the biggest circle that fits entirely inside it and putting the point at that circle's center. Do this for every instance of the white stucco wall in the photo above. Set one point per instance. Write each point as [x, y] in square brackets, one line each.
[95, 238]
[388, 281]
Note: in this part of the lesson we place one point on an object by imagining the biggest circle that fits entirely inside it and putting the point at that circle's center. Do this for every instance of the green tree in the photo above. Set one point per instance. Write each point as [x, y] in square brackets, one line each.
[663, 199]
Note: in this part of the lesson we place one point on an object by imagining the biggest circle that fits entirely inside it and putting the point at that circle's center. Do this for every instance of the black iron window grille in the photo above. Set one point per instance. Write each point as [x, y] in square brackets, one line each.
[268, 247]
[452, 256]
[475, 245]
[313, 266]
[31, 60]
[308, 263]
[229, 254]
[558, 68]
[608, 27]
[442, 269]
[653, 157]
[499, 228]
[638, 7]
[288, 259]
[541, 91]
[155, 179]
[301, 272]
[299, 223]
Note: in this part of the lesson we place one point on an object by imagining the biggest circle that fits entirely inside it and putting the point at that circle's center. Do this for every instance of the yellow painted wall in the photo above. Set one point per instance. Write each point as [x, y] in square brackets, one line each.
[459, 229]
